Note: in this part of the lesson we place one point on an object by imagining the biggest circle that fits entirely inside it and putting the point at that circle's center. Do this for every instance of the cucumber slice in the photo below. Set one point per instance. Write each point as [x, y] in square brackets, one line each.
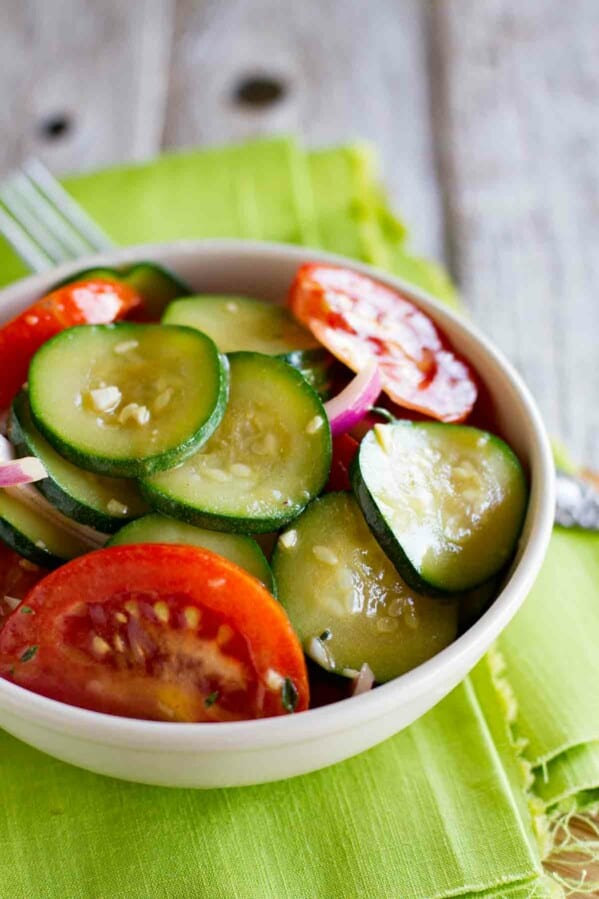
[39, 532]
[270, 456]
[446, 502]
[241, 550]
[242, 323]
[101, 502]
[157, 285]
[345, 599]
[127, 400]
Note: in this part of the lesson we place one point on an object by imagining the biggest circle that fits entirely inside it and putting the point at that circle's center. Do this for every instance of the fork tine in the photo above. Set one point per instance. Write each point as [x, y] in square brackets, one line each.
[71, 211]
[30, 223]
[47, 215]
[23, 245]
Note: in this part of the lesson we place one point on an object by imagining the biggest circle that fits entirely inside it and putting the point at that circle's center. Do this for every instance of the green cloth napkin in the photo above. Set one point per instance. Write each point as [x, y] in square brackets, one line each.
[456, 805]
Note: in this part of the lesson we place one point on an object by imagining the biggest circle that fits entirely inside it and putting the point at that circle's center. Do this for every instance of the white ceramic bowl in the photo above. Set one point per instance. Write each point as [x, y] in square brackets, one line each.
[250, 752]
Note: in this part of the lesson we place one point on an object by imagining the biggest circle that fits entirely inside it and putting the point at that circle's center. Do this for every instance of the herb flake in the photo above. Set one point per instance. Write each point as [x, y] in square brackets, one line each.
[29, 653]
[289, 696]
[211, 698]
[27, 610]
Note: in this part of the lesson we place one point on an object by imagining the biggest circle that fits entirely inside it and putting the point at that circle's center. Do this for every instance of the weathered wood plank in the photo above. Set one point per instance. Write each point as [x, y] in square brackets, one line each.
[349, 71]
[516, 103]
[100, 67]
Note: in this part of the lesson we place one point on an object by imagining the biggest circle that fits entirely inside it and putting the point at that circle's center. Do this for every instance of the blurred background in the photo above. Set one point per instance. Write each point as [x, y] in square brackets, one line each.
[484, 112]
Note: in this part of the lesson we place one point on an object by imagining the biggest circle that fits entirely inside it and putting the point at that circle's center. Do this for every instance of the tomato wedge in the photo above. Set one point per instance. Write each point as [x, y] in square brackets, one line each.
[94, 302]
[359, 319]
[157, 631]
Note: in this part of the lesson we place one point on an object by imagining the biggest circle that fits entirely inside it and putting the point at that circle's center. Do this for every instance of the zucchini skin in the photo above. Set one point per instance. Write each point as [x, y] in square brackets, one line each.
[51, 489]
[390, 543]
[188, 513]
[133, 467]
[27, 548]
[385, 536]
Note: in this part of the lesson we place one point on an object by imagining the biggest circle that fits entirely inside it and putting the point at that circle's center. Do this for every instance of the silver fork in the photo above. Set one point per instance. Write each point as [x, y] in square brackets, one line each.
[45, 226]
[42, 222]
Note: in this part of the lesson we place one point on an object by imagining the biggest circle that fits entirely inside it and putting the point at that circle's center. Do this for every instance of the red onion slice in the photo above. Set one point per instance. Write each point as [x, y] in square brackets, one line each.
[351, 405]
[21, 471]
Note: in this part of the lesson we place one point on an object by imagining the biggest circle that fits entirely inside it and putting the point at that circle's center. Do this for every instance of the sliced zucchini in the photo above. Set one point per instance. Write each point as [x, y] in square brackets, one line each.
[155, 284]
[93, 499]
[39, 532]
[270, 456]
[345, 599]
[242, 323]
[241, 550]
[446, 502]
[127, 399]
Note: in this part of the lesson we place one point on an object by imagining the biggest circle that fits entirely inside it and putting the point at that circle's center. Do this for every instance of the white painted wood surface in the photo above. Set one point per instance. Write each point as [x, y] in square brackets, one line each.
[484, 111]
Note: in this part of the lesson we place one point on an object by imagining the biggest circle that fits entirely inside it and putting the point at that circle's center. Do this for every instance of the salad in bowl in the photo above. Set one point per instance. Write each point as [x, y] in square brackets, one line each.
[240, 483]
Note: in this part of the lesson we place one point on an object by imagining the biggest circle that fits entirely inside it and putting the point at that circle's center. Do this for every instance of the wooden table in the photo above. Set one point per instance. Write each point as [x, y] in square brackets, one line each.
[485, 113]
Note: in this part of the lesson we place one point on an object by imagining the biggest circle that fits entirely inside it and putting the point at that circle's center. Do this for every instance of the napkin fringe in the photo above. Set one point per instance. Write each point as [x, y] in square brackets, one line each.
[575, 844]
[509, 704]
[565, 832]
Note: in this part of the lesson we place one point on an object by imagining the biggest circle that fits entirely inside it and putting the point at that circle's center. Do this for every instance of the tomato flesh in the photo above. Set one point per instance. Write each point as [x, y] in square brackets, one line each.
[93, 302]
[358, 319]
[164, 632]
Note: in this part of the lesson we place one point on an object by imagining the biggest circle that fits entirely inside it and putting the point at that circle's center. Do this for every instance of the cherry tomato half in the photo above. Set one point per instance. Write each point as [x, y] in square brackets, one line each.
[94, 302]
[359, 319]
[165, 632]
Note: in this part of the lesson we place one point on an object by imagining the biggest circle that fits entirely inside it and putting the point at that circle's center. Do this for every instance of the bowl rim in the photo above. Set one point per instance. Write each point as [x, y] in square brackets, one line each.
[257, 734]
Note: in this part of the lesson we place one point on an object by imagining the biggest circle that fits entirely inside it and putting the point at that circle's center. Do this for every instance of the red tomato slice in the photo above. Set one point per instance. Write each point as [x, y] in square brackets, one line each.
[17, 577]
[94, 302]
[165, 632]
[344, 450]
[358, 319]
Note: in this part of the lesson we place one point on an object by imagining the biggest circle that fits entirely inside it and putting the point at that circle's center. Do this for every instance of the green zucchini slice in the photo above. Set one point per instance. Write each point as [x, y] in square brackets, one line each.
[347, 602]
[270, 456]
[98, 501]
[242, 323]
[446, 502]
[157, 285]
[127, 399]
[39, 532]
[241, 550]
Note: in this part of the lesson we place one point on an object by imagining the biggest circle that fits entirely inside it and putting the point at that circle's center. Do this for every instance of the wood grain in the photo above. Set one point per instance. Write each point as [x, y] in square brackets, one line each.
[518, 131]
[350, 72]
[102, 65]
